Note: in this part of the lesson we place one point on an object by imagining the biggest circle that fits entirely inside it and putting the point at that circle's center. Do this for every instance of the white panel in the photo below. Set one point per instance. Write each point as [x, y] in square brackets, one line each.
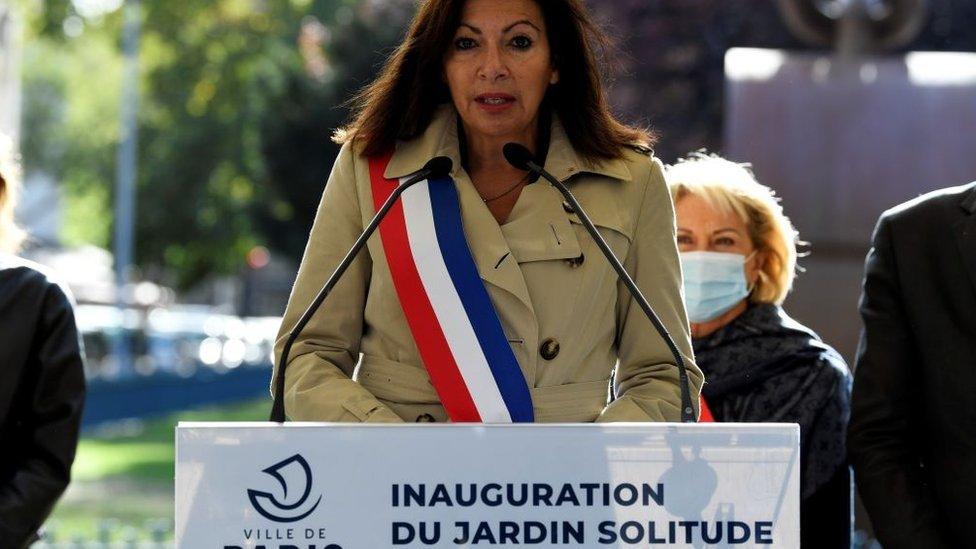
[742, 477]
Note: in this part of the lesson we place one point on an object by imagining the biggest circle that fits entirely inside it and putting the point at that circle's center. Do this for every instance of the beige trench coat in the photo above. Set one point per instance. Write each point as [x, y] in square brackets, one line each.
[569, 321]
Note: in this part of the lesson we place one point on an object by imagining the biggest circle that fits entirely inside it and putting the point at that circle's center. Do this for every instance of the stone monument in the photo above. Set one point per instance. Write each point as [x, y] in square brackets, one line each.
[846, 133]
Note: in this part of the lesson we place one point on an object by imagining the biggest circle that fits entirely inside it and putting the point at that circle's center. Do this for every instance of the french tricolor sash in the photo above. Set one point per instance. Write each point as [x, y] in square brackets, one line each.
[450, 314]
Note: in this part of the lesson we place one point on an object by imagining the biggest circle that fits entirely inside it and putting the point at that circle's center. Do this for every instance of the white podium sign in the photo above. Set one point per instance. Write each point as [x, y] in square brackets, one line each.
[341, 486]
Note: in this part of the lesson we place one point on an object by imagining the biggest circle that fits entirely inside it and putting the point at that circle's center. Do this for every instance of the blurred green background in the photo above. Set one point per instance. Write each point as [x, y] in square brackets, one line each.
[123, 478]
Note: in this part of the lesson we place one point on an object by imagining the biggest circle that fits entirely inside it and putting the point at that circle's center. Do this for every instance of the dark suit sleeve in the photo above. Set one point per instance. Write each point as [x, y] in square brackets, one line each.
[54, 392]
[881, 433]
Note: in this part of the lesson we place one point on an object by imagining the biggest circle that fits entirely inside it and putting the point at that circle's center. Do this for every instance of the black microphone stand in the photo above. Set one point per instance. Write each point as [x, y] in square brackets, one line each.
[436, 167]
[521, 158]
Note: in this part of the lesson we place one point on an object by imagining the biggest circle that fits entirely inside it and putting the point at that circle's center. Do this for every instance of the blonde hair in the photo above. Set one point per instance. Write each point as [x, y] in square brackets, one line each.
[11, 236]
[732, 188]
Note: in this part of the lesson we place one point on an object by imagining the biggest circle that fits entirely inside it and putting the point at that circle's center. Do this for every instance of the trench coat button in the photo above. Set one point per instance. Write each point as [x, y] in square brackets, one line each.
[566, 207]
[549, 348]
[576, 261]
[425, 418]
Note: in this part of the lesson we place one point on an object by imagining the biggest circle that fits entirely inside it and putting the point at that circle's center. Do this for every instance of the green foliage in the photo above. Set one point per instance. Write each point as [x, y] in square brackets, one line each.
[126, 478]
[237, 105]
[71, 104]
[238, 99]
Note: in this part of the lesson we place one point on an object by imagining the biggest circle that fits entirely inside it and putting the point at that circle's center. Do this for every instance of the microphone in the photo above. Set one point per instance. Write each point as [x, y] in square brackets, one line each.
[439, 166]
[520, 157]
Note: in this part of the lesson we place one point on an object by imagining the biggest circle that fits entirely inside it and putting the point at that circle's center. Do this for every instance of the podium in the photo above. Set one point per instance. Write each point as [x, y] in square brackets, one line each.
[371, 486]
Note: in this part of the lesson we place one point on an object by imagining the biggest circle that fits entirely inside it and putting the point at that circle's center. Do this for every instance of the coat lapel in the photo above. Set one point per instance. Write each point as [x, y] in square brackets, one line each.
[965, 230]
[539, 228]
[492, 255]
[489, 249]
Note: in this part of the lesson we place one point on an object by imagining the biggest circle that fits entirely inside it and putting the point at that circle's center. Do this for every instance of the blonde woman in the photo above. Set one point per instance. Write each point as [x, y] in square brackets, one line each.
[738, 255]
[42, 384]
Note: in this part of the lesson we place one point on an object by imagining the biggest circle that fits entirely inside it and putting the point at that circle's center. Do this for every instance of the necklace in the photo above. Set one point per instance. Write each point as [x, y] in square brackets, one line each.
[510, 189]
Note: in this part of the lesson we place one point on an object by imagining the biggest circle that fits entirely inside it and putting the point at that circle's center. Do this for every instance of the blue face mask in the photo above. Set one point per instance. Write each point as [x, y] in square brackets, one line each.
[714, 283]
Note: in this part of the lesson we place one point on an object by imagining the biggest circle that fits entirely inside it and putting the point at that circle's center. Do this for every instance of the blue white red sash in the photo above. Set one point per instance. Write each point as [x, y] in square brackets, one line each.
[450, 314]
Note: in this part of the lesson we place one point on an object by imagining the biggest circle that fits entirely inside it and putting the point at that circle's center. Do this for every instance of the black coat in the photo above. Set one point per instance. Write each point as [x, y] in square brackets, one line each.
[912, 434]
[42, 390]
[766, 367]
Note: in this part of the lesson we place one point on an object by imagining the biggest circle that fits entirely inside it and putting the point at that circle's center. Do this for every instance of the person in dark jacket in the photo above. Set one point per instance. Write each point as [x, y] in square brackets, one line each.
[42, 384]
[738, 257]
[912, 434]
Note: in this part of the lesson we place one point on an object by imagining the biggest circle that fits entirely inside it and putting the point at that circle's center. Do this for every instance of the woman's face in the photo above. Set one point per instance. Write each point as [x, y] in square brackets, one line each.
[498, 67]
[702, 228]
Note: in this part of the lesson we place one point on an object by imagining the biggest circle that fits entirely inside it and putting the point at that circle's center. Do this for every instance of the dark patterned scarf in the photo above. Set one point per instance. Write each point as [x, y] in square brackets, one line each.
[766, 367]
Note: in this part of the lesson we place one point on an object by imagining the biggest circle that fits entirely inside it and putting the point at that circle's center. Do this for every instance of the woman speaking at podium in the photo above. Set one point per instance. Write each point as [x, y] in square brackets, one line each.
[482, 298]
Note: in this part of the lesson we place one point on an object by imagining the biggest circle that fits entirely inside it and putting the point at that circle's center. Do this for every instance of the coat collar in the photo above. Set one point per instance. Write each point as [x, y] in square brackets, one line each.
[441, 139]
[537, 229]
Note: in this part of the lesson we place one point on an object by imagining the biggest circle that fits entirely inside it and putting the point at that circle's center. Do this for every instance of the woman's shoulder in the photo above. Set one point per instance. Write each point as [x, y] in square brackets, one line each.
[26, 279]
[349, 153]
[647, 187]
[828, 363]
[797, 342]
[819, 353]
[646, 183]
[641, 162]
[350, 170]
[24, 271]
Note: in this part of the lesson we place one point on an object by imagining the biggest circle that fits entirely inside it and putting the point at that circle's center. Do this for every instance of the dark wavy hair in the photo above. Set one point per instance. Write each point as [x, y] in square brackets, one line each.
[400, 103]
